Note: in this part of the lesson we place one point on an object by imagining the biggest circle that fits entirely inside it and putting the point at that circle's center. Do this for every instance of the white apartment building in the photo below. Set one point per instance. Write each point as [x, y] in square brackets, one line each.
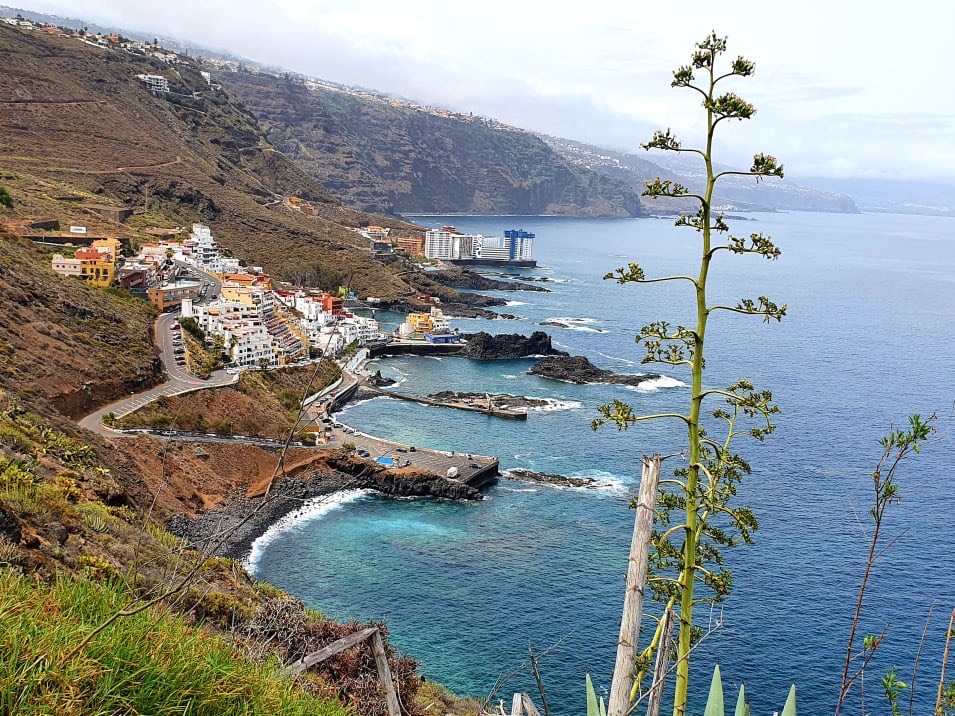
[154, 83]
[449, 245]
[365, 329]
[505, 248]
[204, 249]
[67, 266]
[230, 265]
[348, 331]
[249, 345]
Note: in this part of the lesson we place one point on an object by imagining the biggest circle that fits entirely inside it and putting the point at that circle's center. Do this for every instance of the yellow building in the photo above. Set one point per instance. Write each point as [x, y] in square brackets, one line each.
[97, 266]
[420, 322]
[113, 245]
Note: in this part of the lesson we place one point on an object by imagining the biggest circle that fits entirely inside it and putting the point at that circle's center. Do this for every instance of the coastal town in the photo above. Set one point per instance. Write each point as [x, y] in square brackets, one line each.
[254, 320]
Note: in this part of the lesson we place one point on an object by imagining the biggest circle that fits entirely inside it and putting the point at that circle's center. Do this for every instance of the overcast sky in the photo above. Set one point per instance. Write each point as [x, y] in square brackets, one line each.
[850, 88]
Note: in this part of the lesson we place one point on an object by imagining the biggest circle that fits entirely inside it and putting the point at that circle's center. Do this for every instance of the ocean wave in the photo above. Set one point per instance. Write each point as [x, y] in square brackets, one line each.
[664, 381]
[356, 403]
[312, 510]
[554, 404]
[605, 482]
[515, 303]
[571, 323]
[509, 376]
[625, 361]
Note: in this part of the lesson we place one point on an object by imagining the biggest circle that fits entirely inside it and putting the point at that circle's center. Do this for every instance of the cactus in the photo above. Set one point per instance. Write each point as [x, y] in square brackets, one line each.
[714, 704]
[594, 707]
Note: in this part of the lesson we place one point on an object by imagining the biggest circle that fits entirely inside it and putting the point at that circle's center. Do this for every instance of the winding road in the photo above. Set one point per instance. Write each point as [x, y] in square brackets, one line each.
[180, 381]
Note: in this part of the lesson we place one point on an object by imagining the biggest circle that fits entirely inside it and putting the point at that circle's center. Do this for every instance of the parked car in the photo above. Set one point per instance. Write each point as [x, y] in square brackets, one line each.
[401, 450]
[411, 449]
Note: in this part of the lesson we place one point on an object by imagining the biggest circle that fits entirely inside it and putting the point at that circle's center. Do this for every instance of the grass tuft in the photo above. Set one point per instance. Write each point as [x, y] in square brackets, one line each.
[148, 663]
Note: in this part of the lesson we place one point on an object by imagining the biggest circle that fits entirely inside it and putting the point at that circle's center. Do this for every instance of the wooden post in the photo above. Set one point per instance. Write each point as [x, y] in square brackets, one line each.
[517, 705]
[529, 706]
[384, 674]
[381, 661]
[636, 583]
[329, 651]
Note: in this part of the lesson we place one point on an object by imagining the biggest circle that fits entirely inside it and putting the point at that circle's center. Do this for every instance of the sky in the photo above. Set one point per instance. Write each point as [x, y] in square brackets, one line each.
[842, 89]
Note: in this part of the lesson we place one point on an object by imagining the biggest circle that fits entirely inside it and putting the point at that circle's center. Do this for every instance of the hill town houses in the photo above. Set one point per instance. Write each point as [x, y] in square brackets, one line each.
[259, 323]
[255, 320]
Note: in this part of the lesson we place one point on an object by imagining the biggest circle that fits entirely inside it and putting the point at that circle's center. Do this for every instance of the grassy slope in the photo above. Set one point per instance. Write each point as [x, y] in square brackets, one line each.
[150, 663]
[259, 404]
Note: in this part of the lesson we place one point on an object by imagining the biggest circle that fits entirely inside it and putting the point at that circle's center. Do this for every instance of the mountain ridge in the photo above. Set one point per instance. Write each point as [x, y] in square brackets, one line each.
[381, 155]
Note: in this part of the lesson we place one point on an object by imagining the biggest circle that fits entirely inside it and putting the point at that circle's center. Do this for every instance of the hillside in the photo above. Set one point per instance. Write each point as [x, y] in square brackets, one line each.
[77, 125]
[733, 192]
[379, 156]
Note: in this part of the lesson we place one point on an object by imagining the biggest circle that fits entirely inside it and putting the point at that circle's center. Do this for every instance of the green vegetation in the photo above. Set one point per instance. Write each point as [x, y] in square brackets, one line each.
[191, 326]
[687, 548]
[897, 446]
[150, 663]
[715, 703]
[5, 198]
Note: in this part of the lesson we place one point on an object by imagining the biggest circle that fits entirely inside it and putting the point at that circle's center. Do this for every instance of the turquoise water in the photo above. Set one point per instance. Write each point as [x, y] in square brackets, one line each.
[868, 341]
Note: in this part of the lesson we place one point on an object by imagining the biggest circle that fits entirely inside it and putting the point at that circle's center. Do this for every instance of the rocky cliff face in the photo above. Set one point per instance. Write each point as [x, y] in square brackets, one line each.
[384, 158]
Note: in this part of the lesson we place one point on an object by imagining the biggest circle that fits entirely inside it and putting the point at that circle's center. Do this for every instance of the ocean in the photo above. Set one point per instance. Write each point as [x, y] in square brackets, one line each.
[466, 588]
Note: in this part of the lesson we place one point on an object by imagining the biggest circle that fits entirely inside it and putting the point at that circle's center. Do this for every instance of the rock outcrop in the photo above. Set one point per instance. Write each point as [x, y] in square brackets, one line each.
[506, 346]
[549, 478]
[380, 381]
[578, 369]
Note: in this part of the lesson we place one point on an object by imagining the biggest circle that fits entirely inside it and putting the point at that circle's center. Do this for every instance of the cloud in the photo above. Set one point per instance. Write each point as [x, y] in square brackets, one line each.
[830, 76]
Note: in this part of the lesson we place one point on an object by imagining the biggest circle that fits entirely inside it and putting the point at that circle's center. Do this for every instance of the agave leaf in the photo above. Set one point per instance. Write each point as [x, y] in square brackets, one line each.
[790, 708]
[603, 707]
[742, 708]
[714, 703]
[592, 707]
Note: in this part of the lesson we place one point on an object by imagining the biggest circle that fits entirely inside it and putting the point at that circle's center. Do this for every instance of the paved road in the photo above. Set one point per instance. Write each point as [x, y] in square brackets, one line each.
[180, 381]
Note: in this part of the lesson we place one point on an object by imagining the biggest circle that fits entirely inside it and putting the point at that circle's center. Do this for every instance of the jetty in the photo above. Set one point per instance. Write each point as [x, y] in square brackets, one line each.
[488, 407]
[477, 471]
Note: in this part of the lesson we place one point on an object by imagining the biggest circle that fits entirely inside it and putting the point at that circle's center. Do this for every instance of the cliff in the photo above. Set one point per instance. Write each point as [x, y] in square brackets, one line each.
[384, 158]
[739, 193]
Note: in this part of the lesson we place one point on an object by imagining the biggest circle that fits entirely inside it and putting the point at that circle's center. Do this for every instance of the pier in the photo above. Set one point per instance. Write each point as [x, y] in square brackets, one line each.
[477, 471]
[497, 411]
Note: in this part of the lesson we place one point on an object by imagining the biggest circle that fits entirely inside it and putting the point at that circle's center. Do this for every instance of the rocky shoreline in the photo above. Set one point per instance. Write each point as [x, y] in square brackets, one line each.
[233, 528]
[578, 369]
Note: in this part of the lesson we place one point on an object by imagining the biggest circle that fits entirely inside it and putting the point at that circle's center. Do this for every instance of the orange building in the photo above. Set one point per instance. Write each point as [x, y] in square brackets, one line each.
[414, 245]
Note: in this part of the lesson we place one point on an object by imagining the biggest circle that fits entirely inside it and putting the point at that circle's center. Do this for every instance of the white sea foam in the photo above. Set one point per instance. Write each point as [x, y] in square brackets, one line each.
[603, 482]
[312, 510]
[509, 376]
[554, 404]
[664, 381]
[515, 303]
[575, 324]
[625, 361]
